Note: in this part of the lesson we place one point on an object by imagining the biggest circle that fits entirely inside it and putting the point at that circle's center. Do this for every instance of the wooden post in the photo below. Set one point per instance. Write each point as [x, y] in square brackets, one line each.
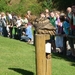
[43, 65]
[40, 54]
[48, 66]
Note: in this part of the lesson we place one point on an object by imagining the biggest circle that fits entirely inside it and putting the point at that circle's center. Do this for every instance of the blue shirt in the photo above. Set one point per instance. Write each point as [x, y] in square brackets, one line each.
[66, 27]
[28, 32]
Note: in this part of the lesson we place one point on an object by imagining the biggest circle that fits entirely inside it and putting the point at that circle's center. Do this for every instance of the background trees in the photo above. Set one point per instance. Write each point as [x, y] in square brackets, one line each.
[36, 6]
[62, 4]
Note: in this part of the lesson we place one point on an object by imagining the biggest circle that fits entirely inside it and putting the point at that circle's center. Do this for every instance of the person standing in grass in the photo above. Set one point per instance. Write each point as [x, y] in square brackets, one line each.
[18, 25]
[4, 24]
[52, 21]
[66, 29]
[59, 32]
[72, 25]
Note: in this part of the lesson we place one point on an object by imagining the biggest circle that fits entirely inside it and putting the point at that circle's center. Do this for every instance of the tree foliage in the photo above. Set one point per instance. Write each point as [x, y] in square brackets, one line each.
[57, 4]
[62, 4]
[47, 4]
[36, 6]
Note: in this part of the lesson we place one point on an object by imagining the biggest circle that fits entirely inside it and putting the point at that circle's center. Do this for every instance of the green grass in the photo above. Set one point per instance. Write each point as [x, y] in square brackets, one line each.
[62, 65]
[18, 58]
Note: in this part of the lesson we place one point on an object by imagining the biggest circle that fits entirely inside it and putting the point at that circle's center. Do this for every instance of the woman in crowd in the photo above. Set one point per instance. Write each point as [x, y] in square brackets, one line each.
[4, 24]
[59, 32]
[52, 21]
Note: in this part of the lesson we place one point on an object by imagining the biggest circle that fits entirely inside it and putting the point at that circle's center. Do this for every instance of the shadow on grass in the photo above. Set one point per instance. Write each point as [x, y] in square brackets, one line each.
[73, 64]
[66, 58]
[21, 71]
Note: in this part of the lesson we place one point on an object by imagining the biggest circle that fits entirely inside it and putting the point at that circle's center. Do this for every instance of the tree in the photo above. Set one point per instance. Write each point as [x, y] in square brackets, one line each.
[62, 4]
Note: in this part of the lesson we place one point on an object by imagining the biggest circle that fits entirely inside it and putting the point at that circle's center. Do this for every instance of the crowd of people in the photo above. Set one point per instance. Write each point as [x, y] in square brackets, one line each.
[65, 27]
[14, 26]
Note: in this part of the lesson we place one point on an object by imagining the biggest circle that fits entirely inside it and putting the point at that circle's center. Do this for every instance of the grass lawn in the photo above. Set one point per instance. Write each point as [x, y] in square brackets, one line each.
[18, 58]
[62, 65]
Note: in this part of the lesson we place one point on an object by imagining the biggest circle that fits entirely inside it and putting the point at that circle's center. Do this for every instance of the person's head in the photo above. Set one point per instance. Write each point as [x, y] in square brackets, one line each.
[57, 14]
[7, 13]
[47, 15]
[52, 14]
[73, 8]
[25, 16]
[69, 10]
[62, 18]
[46, 11]
[2, 14]
[29, 12]
[25, 24]
[42, 15]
